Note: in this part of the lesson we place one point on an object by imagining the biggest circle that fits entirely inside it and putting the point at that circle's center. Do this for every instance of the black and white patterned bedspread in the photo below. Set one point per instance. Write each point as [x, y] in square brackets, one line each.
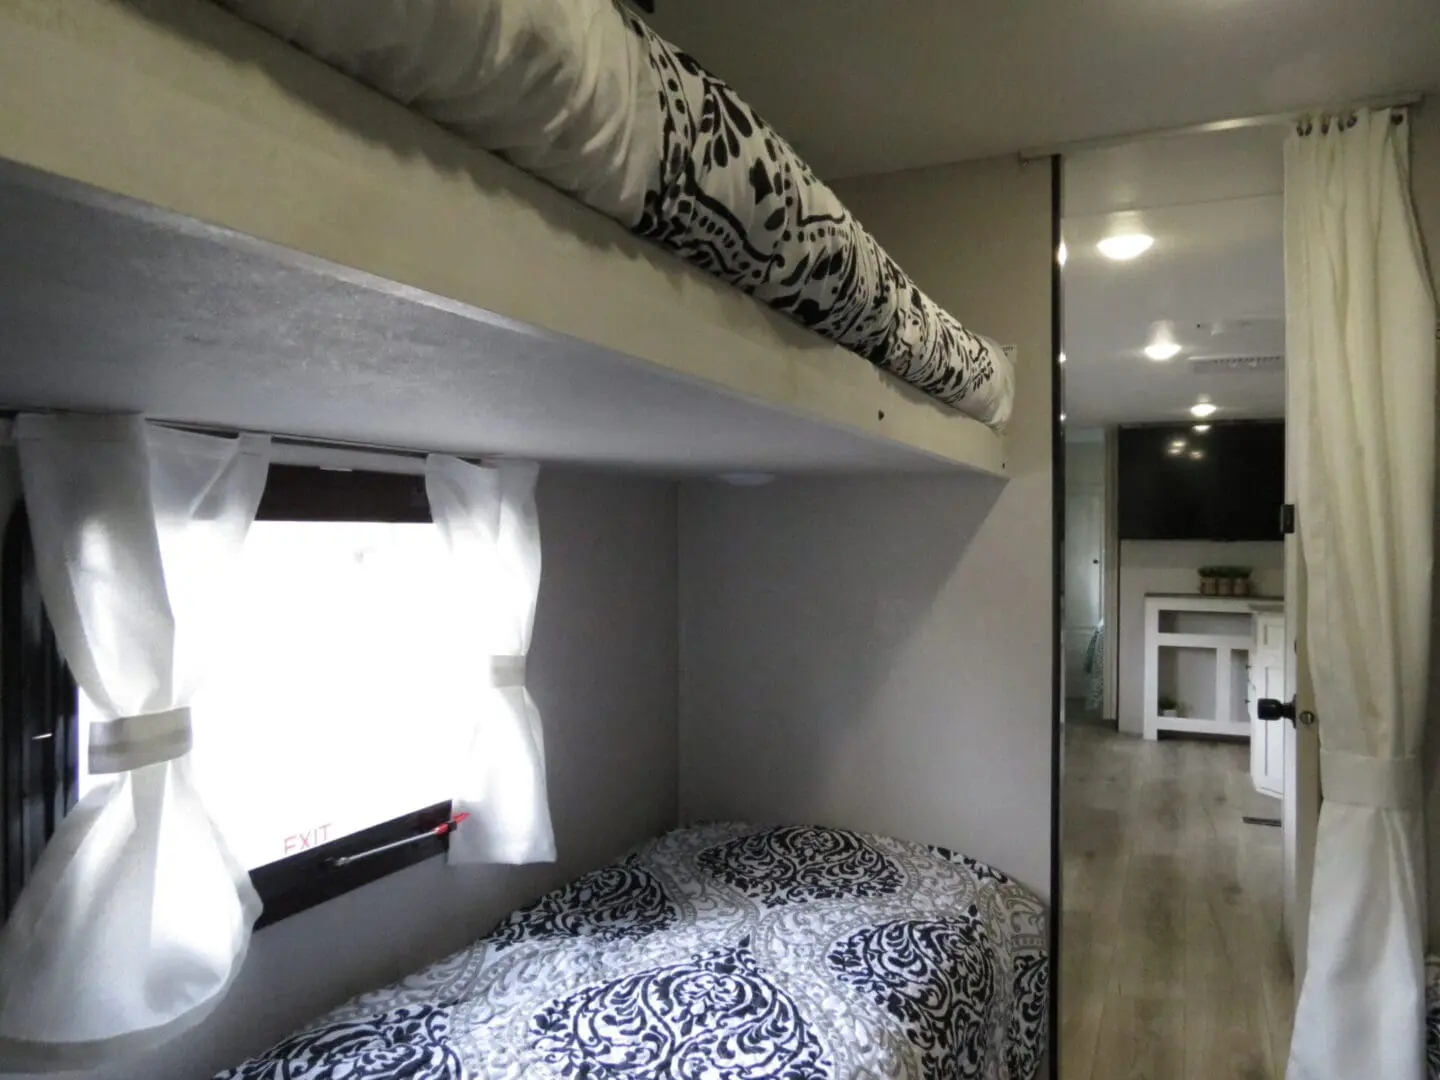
[724, 952]
[584, 95]
[1432, 1016]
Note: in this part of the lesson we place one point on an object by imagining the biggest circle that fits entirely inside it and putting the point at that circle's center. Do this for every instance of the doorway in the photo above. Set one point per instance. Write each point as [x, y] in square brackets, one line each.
[1086, 490]
[1174, 958]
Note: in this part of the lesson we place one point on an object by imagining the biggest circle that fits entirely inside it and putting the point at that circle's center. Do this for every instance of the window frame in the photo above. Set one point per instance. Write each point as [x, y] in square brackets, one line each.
[39, 717]
[39, 698]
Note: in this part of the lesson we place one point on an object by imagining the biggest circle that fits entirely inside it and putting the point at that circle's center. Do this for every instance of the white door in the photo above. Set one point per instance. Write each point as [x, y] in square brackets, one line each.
[1084, 585]
[1300, 816]
[1267, 680]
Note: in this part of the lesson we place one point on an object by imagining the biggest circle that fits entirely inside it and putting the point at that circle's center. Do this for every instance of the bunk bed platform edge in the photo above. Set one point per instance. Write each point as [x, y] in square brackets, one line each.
[181, 106]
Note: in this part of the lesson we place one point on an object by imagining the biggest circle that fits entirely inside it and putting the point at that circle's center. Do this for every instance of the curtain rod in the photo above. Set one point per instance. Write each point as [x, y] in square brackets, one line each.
[301, 443]
[1104, 142]
[310, 449]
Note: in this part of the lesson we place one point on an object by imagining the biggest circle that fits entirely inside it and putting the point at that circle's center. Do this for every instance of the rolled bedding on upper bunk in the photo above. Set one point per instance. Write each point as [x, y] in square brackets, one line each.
[582, 94]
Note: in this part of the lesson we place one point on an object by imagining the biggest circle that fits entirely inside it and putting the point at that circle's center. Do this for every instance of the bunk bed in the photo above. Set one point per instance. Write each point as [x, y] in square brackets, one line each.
[722, 950]
[422, 267]
[205, 224]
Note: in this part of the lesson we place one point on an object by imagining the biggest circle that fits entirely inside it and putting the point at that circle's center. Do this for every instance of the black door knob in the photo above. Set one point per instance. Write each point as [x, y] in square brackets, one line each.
[1270, 709]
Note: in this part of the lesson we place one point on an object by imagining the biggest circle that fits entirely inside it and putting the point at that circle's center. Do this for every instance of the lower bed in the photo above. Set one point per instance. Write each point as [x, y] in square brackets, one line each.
[1432, 1016]
[723, 951]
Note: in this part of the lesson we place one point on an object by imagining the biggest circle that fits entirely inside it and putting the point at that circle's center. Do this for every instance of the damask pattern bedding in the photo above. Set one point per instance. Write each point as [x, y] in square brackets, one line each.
[725, 952]
[1432, 1016]
[584, 95]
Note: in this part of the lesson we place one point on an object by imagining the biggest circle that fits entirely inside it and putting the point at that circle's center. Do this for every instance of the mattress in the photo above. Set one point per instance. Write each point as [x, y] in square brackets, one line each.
[584, 95]
[1432, 1016]
[722, 951]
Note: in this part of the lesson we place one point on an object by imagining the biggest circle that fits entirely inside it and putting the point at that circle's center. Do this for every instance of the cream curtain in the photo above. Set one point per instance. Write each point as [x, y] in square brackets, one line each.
[1361, 357]
[136, 918]
[488, 518]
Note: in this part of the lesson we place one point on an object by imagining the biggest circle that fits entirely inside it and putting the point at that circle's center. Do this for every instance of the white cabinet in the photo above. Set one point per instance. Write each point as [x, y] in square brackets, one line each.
[1267, 680]
[1216, 657]
[1196, 649]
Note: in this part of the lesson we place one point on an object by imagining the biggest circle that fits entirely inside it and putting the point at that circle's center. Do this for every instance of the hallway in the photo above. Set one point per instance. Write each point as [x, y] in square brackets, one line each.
[1172, 964]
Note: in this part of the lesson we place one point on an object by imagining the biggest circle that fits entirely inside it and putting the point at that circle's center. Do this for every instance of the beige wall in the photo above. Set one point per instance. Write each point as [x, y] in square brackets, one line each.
[1425, 183]
[1168, 566]
[877, 653]
[603, 669]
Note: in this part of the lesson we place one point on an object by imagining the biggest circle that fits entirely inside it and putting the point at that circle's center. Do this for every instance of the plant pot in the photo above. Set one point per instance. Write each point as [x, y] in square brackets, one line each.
[1226, 587]
[1209, 586]
[1171, 713]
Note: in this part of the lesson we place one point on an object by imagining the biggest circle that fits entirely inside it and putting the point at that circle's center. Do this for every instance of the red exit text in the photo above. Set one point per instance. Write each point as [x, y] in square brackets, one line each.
[307, 839]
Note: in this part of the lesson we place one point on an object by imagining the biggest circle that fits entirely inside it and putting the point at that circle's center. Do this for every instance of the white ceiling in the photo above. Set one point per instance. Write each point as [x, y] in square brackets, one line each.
[106, 310]
[1214, 281]
[864, 86]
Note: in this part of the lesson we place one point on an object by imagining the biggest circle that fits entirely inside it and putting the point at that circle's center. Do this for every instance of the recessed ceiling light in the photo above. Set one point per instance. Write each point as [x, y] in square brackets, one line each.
[1200, 429]
[1162, 350]
[1125, 246]
[1062, 358]
[1196, 455]
[1062, 418]
[1202, 409]
[1062, 256]
[1176, 447]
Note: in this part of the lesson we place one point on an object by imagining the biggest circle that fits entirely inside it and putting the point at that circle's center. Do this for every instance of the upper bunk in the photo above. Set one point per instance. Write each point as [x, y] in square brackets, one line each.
[201, 222]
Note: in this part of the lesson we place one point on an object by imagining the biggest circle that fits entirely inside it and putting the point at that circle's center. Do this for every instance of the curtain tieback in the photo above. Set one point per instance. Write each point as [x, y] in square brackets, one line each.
[1383, 783]
[132, 742]
[506, 671]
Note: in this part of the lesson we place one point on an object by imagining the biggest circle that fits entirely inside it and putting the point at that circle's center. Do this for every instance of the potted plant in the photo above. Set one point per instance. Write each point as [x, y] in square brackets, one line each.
[1231, 580]
[1209, 580]
[1169, 706]
[1226, 580]
[1240, 583]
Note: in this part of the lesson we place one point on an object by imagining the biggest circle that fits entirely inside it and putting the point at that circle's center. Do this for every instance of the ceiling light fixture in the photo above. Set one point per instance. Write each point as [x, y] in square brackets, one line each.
[1062, 256]
[1201, 409]
[1176, 447]
[1196, 455]
[747, 479]
[1162, 350]
[1200, 429]
[1062, 358]
[1125, 246]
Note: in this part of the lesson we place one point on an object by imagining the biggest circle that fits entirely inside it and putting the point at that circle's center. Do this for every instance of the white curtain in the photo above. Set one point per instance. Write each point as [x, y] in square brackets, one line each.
[487, 516]
[136, 918]
[1361, 356]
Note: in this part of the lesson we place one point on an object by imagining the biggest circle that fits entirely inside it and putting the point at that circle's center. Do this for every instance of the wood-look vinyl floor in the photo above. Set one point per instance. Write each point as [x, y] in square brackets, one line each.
[1172, 961]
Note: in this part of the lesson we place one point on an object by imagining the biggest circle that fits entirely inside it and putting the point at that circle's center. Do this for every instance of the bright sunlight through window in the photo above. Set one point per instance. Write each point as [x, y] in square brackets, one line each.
[335, 703]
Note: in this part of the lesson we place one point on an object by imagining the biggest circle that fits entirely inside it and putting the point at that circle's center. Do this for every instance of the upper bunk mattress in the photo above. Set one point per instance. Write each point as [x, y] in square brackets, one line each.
[584, 95]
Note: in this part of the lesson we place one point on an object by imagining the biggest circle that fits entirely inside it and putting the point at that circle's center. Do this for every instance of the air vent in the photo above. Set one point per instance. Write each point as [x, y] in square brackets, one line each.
[1236, 365]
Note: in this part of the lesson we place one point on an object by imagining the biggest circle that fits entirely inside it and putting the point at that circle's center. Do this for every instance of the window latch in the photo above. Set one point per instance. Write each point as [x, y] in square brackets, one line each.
[445, 828]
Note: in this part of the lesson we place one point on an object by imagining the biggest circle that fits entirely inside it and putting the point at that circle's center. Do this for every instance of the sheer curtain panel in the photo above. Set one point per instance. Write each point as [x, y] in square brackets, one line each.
[488, 519]
[136, 919]
[1361, 359]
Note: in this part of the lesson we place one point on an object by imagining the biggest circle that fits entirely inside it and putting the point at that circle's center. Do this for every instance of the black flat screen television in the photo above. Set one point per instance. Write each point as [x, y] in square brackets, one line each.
[1226, 483]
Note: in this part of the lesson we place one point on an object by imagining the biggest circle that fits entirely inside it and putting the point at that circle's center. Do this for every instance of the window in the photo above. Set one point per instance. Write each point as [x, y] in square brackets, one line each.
[38, 735]
[329, 721]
